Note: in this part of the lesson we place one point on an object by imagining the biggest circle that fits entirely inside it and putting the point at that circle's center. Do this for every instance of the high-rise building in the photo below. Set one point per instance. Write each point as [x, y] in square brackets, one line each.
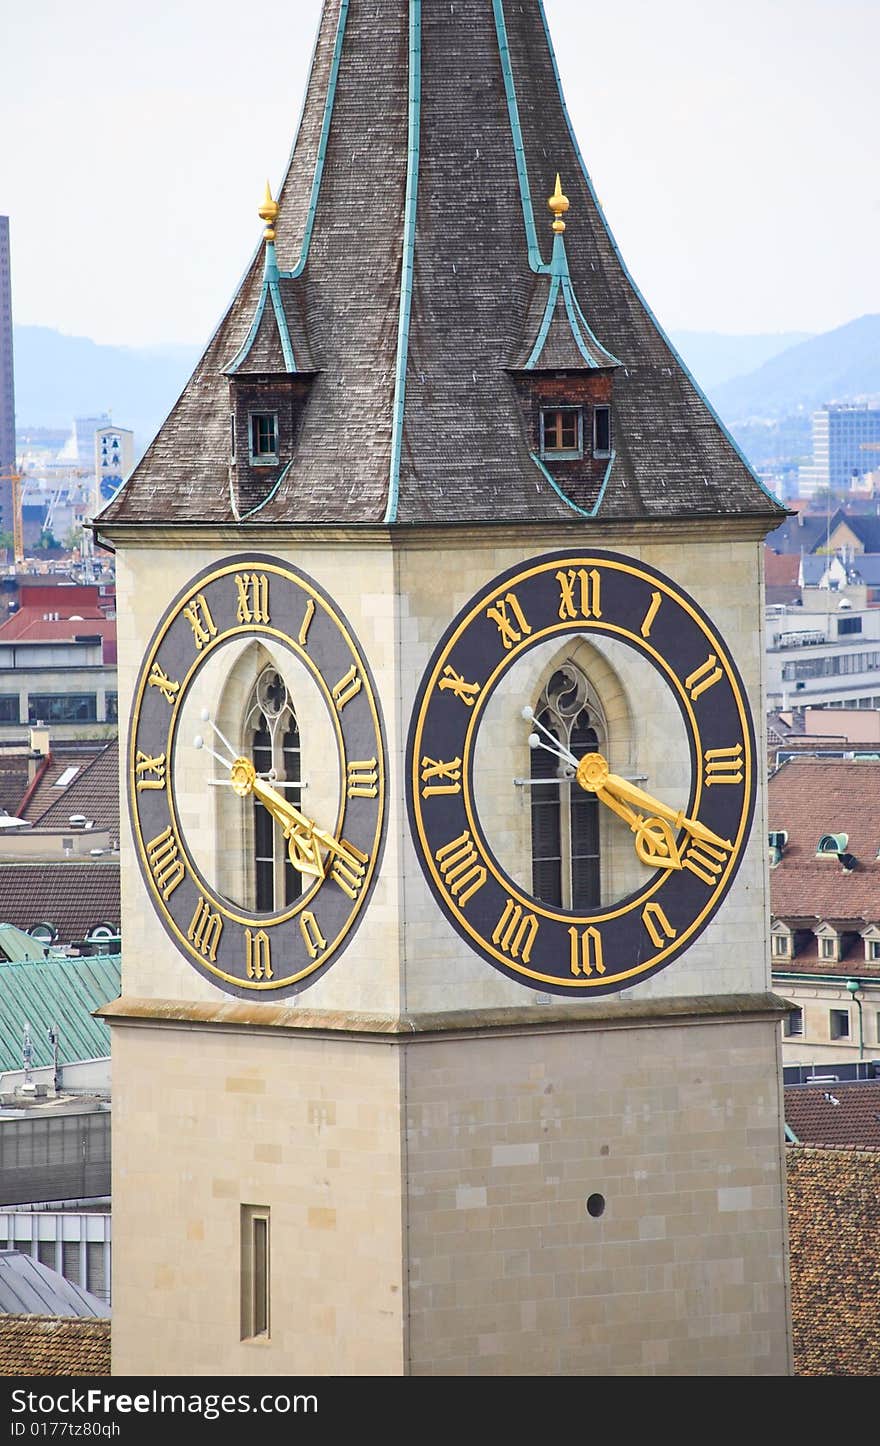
[7, 387]
[846, 446]
[114, 458]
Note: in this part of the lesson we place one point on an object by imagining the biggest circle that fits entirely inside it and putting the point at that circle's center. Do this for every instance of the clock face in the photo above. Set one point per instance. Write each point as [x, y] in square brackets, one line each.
[256, 776]
[580, 772]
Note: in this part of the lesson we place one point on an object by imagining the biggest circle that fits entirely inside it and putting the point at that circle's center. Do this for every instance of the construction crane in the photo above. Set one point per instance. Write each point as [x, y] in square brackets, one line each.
[15, 480]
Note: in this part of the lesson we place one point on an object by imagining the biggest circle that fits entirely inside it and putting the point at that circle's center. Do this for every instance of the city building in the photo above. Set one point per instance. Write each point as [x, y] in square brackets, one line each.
[7, 383]
[846, 443]
[58, 663]
[824, 845]
[114, 459]
[442, 1025]
[823, 659]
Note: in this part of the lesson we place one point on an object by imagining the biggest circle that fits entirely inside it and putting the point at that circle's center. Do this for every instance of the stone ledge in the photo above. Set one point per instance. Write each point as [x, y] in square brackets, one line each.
[238, 1015]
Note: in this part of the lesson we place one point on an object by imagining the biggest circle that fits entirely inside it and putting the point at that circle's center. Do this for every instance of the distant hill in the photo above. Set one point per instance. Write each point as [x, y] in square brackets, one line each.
[837, 366]
[60, 377]
[715, 357]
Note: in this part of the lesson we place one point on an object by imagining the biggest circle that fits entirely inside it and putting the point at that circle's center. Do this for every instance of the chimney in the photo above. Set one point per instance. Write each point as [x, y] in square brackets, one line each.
[39, 742]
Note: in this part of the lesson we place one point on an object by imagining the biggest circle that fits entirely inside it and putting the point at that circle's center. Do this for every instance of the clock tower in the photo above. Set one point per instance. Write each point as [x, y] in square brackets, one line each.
[446, 1043]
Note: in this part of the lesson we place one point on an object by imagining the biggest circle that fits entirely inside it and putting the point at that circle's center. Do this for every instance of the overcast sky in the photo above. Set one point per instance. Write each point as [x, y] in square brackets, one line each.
[733, 143]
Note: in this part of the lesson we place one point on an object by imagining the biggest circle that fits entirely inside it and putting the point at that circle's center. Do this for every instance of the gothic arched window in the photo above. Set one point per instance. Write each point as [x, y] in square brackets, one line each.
[565, 819]
[272, 738]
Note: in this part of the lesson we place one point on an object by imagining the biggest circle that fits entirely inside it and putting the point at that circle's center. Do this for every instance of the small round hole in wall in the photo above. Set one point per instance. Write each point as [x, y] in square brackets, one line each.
[596, 1206]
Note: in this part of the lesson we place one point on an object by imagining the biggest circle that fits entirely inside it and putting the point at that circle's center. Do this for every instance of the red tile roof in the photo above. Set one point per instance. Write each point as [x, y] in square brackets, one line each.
[75, 896]
[834, 1227]
[845, 1112]
[36, 1345]
[810, 797]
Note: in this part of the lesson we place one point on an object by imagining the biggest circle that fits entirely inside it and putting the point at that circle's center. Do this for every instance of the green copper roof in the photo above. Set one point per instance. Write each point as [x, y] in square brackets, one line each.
[16, 945]
[44, 993]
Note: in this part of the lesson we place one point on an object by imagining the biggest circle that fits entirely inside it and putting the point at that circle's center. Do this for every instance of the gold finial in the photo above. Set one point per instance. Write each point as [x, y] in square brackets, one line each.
[558, 204]
[268, 212]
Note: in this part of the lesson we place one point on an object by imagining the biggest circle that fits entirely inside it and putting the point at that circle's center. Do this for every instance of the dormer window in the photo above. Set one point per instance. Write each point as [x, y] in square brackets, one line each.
[601, 431]
[562, 432]
[828, 948]
[780, 945]
[263, 438]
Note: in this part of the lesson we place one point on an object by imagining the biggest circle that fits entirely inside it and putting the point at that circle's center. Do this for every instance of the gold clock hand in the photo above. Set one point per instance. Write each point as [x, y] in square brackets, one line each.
[593, 775]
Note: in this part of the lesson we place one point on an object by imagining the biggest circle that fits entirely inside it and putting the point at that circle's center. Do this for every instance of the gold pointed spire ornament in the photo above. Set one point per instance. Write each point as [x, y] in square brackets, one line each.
[268, 212]
[558, 204]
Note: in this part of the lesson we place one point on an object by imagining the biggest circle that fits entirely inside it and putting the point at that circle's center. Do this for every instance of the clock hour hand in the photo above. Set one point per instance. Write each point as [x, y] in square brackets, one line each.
[594, 775]
[305, 841]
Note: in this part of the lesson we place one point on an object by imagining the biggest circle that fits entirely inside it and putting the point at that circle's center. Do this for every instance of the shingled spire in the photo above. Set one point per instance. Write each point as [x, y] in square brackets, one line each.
[387, 327]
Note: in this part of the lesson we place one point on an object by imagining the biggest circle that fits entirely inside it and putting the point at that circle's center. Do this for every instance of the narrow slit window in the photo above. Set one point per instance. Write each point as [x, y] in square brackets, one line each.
[602, 432]
[232, 436]
[264, 437]
[255, 1277]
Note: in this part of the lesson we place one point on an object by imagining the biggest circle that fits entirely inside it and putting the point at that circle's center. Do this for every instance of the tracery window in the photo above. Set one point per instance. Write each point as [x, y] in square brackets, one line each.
[272, 738]
[565, 819]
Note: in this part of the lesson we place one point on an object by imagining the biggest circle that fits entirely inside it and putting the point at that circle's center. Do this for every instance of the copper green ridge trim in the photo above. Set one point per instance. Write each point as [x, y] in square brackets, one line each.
[582, 512]
[409, 246]
[269, 290]
[536, 261]
[322, 145]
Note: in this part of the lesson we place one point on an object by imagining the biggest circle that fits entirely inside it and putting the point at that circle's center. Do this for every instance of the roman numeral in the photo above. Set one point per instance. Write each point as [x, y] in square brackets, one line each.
[253, 597]
[455, 683]
[314, 939]
[258, 954]
[144, 766]
[306, 623]
[515, 932]
[363, 779]
[205, 930]
[347, 688]
[500, 612]
[650, 615]
[586, 952]
[706, 861]
[449, 775]
[723, 765]
[657, 925]
[160, 679]
[703, 678]
[581, 593]
[459, 864]
[165, 863]
[349, 869]
[198, 615]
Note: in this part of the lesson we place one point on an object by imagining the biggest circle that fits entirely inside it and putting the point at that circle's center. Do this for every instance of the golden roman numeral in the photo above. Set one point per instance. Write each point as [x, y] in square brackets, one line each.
[657, 925]
[723, 765]
[347, 688]
[258, 954]
[198, 615]
[314, 939]
[363, 779]
[586, 952]
[145, 765]
[160, 679]
[500, 612]
[581, 593]
[448, 773]
[205, 930]
[165, 864]
[349, 869]
[460, 867]
[706, 861]
[703, 678]
[650, 615]
[455, 683]
[515, 932]
[253, 597]
[306, 623]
